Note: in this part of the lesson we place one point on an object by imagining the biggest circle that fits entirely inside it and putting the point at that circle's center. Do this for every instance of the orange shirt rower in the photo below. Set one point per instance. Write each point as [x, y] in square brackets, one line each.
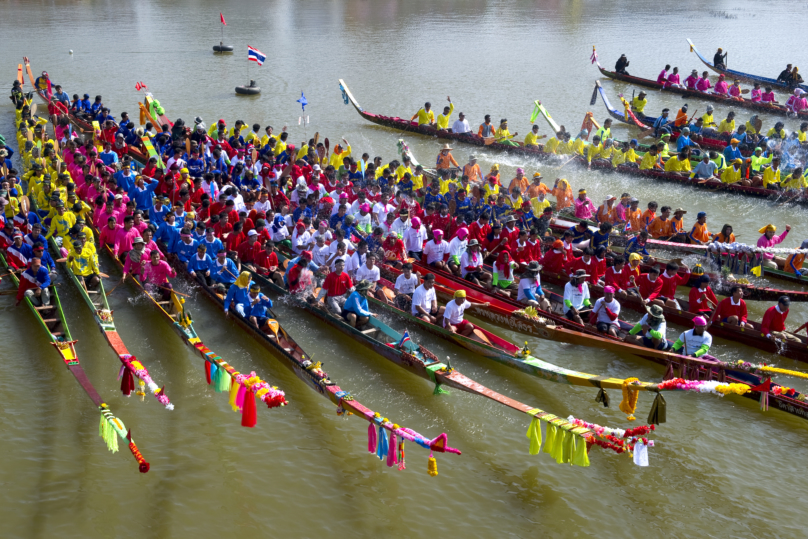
[445, 159]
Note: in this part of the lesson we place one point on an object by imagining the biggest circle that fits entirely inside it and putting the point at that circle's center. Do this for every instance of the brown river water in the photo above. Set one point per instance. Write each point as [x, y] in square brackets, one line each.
[720, 468]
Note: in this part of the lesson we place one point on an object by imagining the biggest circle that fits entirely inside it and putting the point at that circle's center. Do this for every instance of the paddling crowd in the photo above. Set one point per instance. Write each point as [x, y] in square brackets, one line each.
[221, 200]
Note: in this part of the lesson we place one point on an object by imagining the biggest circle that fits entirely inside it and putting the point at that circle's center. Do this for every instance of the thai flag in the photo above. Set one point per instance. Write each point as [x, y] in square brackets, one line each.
[405, 338]
[255, 55]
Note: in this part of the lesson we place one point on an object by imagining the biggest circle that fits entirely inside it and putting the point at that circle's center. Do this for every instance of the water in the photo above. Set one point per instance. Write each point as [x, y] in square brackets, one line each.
[720, 467]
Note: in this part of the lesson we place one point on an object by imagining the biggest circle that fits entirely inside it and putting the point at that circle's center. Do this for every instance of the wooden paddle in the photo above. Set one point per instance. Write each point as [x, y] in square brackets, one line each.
[316, 138]
[170, 290]
[117, 285]
[567, 162]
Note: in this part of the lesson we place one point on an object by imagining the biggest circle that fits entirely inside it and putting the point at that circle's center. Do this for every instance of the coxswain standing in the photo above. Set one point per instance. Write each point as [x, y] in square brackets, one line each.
[720, 59]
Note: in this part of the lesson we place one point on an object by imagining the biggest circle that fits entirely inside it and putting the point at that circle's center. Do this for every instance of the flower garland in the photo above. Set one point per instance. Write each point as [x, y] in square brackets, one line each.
[705, 386]
[269, 395]
[762, 367]
[618, 440]
[744, 248]
[131, 362]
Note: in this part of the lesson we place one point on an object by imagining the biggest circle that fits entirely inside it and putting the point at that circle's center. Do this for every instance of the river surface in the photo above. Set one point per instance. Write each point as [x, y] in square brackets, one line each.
[720, 468]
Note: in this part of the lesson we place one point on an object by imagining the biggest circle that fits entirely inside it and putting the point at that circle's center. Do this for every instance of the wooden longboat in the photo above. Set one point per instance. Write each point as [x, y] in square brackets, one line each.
[174, 312]
[740, 75]
[706, 96]
[281, 345]
[750, 335]
[446, 284]
[384, 341]
[96, 301]
[51, 318]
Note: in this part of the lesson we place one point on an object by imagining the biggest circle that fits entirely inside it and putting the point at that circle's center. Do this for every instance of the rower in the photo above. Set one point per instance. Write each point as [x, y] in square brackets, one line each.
[773, 324]
[785, 76]
[486, 130]
[795, 261]
[584, 208]
[443, 119]
[721, 87]
[259, 307]
[607, 310]
[621, 65]
[684, 140]
[445, 159]
[708, 123]
[661, 124]
[355, 309]
[34, 284]
[671, 279]
[503, 135]
[695, 342]
[530, 291]
[461, 125]
[198, 265]
[576, 296]
[157, 272]
[335, 287]
[605, 131]
[453, 314]
[652, 328]
[424, 303]
[471, 265]
[532, 138]
[701, 298]
[720, 59]
[769, 239]
[727, 126]
[692, 80]
[638, 103]
[673, 80]
[425, 115]
[662, 78]
[732, 310]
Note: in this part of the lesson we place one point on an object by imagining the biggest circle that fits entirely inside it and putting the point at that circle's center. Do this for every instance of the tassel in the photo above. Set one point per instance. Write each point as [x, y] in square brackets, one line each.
[682, 369]
[234, 387]
[401, 456]
[439, 390]
[207, 372]
[127, 382]
[668, 372]
[722, 376]
[371, 438]
[603, 397]
[107, 432]
[534, 435]
[557, 451]
[223, 380]
[248, 414]
[214, 375]
[240, 397]
[569, 447]
[392, 458]
[432, 465]
[764, 401]
[658, 414]
[551, 435]
[382, 446]
[580, 457]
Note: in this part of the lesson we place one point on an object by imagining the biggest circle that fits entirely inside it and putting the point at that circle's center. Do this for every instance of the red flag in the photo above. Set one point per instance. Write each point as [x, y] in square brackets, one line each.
[143, 86]
[137, 86]
[222, 18]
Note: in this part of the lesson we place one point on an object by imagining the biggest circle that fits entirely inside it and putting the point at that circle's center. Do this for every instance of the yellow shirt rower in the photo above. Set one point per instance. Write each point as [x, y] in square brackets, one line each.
[443, 119]
[426, 116]
[732, 174]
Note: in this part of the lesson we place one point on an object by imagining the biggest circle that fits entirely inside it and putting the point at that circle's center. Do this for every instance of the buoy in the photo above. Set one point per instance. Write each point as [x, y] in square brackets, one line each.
[252, 89]
[221, 47]
[71, 51]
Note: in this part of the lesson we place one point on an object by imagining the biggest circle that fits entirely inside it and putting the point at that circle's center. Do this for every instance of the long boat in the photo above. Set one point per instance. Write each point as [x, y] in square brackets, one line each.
[751, 335]
[645, 122]
[707, 96]
[740, 75]
[51, 319]
[785, 399]
[715, 185]
[281, 345]
[218, 372]
[722, 286]
[96, 301]
[386, 342]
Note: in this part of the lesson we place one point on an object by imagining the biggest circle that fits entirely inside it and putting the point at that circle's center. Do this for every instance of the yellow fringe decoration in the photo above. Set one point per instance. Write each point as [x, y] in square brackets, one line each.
[776, 370]
[233, 394]
[107, 432]
[630, 396]
[738, 389]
